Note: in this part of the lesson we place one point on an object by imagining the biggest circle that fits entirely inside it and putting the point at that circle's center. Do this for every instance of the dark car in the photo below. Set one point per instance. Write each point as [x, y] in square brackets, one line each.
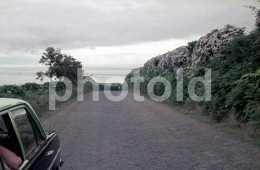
[23, 142]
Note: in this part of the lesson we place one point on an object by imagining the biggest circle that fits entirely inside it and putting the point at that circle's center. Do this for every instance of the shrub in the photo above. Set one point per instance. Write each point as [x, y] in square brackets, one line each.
[12, 90]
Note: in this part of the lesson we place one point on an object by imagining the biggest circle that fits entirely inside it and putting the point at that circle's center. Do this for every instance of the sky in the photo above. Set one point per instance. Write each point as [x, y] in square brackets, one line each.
[109, 37]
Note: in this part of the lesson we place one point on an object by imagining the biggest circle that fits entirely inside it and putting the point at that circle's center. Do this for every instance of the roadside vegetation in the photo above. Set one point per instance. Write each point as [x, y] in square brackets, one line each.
[37, 95]
[59, 65]
[235, 82]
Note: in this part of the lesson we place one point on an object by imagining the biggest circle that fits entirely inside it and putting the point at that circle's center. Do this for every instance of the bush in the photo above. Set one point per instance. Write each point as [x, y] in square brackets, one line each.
[12, 90]
[31, 86]
[235, 80]
[37, 94]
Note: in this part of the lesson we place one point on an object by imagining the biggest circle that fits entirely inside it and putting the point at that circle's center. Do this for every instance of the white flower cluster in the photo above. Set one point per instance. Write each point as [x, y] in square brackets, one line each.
[206, 48]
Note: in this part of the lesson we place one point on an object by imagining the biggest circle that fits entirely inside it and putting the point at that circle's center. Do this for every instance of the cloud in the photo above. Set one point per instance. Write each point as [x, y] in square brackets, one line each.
[124, 56]
[100, 62]
[108, 37]
[34, 25]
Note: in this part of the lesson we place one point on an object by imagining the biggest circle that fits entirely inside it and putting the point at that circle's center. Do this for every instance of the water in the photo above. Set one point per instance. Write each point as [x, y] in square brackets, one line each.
[20, 76]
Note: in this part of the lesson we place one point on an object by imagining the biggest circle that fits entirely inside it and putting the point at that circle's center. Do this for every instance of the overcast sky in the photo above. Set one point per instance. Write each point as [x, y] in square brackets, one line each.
[108, 37]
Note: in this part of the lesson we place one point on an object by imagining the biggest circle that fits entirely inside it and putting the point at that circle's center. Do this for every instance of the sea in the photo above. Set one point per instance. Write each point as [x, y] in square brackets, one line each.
[19, 76]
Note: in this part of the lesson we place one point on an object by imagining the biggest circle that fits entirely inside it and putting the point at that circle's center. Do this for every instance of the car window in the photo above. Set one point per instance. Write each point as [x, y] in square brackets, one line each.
[37, 133]
[1, 164]
[3, 133]
[25, 130]
[4, 136]
[6, 141]
[3, 128]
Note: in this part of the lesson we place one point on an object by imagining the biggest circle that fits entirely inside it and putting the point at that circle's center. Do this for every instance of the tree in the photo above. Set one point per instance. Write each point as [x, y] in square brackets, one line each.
[59, 65]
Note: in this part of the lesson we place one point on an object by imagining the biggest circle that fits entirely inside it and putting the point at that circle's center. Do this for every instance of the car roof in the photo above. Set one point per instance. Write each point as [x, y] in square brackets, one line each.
[10, 102]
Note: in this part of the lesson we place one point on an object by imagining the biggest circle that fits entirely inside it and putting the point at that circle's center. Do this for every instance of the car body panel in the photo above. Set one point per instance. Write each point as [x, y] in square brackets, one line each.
[48, 157]
[47, 153]
[9, 102]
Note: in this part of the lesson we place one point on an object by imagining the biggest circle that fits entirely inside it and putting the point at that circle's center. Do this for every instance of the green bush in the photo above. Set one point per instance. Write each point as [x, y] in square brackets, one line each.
[13, 90]
[37, 94]
[235, 81]
[31, 86]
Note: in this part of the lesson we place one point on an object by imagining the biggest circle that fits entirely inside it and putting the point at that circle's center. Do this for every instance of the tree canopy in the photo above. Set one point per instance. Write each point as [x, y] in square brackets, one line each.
[59, 65]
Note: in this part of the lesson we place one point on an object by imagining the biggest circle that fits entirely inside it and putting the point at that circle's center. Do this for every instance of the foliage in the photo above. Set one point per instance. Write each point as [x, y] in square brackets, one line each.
[59, 65]
[37, 94]
[212, 32]
[235, 81]
[156, 62]
[31, 86]
[235, 84]
[191, 46]
[12, 89]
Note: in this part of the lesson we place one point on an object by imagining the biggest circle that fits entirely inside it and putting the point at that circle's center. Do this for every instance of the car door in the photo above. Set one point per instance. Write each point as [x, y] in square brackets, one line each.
[9, 142]
[38, 152]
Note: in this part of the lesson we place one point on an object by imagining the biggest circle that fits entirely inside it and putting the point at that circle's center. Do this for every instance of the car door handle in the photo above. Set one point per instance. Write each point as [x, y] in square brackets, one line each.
[49, 153]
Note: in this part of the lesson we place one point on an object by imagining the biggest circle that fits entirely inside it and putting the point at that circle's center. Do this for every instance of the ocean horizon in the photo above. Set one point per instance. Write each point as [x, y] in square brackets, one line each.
[19, 76]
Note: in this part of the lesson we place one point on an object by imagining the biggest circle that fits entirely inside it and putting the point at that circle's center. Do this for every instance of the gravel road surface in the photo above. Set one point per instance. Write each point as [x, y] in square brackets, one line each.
[144, 135]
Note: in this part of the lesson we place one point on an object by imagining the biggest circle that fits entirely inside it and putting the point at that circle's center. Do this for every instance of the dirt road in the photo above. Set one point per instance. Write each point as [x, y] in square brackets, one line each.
[144, 135]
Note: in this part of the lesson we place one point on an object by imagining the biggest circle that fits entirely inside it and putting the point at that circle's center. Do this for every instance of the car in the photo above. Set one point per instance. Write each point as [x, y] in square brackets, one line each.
[23, 142]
